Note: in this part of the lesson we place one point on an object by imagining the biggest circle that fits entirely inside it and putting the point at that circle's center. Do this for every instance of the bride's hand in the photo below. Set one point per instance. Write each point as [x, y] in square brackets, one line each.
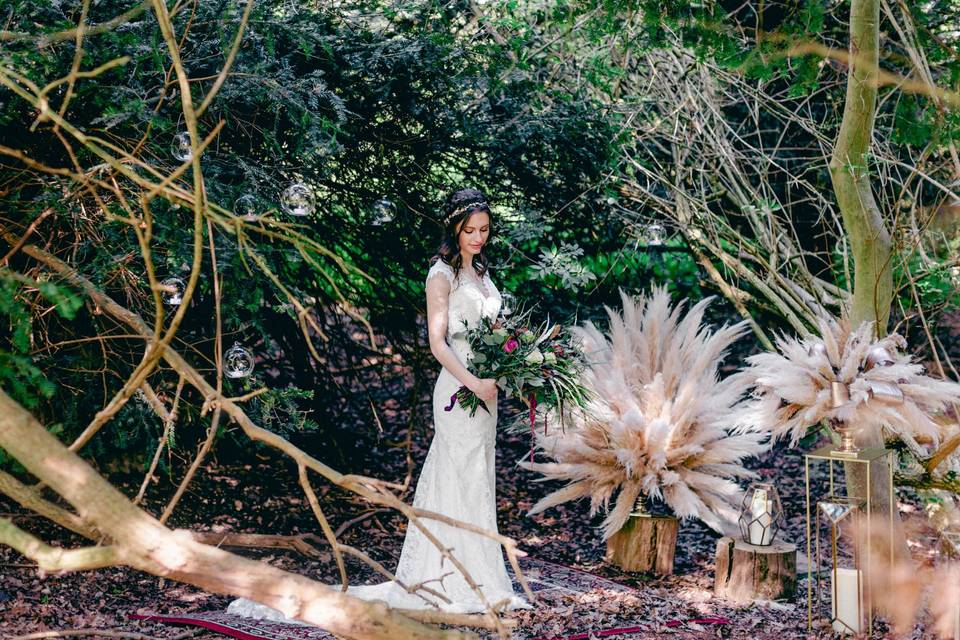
[485, 389]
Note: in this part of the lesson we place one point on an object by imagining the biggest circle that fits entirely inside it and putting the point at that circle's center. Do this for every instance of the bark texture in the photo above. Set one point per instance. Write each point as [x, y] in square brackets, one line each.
[645, 543]
[747, 572]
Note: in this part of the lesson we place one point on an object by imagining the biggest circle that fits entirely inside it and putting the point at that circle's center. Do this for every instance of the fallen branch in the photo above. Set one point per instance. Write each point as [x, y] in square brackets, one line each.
[140, 541]
[298, 543]
[30, 498]
[55, 559]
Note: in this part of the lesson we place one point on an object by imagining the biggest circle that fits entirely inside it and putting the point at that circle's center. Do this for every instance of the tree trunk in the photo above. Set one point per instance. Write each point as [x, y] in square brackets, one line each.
[142, 542]
[747, 572]
[870, 241]
[645, 543]
[863, 221]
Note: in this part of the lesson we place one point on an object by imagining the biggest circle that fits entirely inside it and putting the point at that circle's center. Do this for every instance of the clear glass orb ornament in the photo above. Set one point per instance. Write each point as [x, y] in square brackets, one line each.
[237, 362]
[181, 147]
[172, 293]
[655, 235]
[508, 302]
[384, 211]
[298, 200]
[246, 207]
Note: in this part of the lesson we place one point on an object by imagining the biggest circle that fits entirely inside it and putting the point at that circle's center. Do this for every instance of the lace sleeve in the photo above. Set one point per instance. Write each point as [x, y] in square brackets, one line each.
[441, 268]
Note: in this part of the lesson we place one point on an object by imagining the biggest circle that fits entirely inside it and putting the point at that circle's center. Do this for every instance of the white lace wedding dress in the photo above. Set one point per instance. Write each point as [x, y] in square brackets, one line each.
[457, 480]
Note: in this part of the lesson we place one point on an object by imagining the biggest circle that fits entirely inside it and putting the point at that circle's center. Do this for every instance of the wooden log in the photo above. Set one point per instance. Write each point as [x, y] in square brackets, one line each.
[747, 572]
[645, 543]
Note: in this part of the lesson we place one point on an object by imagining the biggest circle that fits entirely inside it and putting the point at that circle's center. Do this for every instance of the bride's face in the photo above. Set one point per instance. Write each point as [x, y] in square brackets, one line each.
[474, 232]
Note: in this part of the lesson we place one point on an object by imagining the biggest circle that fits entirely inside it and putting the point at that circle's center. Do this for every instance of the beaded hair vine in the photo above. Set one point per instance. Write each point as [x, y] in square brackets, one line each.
[473, 204]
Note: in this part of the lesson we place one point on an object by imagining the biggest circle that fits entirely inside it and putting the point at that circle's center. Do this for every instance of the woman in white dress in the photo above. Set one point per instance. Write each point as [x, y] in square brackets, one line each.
[458, 476]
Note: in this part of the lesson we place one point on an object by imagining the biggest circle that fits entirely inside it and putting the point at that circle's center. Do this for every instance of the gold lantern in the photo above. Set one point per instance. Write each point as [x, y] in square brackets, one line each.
[832, 540]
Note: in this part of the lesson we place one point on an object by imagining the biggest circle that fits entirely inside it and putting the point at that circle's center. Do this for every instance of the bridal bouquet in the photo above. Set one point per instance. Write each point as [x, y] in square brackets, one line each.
[540, 366]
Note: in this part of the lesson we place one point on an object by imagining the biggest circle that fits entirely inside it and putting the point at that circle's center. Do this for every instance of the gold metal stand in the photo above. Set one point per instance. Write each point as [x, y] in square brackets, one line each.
[870, 458]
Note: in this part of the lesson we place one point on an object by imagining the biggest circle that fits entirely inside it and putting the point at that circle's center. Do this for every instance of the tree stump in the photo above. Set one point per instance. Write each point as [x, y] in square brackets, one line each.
[747, 572]
[645, 543]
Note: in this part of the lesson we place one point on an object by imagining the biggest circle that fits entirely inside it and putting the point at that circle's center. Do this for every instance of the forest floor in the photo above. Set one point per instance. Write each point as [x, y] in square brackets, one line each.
[256, 491]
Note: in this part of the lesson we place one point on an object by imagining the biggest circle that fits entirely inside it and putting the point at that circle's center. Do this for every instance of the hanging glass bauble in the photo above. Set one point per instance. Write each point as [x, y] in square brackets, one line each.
[507, 303]
[237, 362]
[655, 234]
[298, 200]
[172, 293]
[181, 147]
[384, 211]
[246, 207]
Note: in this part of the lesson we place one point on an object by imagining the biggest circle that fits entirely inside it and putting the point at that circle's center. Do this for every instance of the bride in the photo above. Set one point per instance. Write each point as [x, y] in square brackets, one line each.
[458, 478]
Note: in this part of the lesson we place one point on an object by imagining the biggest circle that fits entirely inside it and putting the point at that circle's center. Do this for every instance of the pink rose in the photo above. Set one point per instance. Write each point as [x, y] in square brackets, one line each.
[511, 345]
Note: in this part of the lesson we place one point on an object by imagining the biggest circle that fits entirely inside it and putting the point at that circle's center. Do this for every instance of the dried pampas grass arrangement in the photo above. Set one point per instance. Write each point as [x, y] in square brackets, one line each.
[791, 389]
[656, 426]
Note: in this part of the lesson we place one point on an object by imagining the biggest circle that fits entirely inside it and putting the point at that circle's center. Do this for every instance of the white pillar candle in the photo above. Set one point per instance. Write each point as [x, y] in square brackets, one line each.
[761, 517]
[846, 603]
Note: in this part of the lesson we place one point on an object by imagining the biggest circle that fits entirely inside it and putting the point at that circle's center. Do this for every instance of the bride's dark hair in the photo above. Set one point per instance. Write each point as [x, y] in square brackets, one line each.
[459, 206]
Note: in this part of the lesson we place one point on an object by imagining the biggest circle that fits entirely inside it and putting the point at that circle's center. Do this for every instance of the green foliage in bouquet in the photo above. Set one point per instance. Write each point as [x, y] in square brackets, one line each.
[539, 365]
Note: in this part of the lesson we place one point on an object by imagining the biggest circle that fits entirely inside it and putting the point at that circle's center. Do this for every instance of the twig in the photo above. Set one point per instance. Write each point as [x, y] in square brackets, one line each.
[360, 518]
[324, 525]
[69, 34]
[164, 439]
[197, 461]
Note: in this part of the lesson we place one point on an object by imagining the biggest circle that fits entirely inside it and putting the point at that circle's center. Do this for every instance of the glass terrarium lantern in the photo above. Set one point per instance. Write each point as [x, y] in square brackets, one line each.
[237, 362]
[172, 291]
[761, 514]
[384, 212]
[655, 234]
[298, 200]
[246, 207]
[180, 147]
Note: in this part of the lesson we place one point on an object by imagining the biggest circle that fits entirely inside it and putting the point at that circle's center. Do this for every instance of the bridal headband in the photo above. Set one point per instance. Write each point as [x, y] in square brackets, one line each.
[473, 204]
